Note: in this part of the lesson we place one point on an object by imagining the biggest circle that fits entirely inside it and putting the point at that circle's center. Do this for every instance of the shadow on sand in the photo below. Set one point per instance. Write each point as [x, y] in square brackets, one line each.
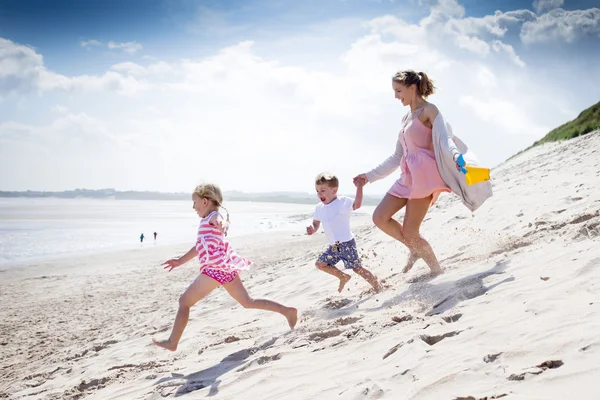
[209, 377]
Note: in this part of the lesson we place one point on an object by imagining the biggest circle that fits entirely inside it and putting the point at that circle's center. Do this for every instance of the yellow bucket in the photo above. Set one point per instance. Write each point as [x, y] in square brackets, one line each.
[476, 174]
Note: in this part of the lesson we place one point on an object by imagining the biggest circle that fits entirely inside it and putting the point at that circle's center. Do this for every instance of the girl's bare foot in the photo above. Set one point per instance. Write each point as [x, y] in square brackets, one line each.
[343, 280]
[165, 344]
[412, 259]
[292, 317]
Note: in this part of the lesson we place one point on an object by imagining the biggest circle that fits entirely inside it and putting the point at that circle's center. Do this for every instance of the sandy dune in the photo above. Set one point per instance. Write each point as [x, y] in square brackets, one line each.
[515, 316]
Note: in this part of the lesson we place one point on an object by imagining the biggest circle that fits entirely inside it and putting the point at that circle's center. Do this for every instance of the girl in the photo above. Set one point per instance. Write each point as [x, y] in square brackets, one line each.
[219, 265]
[431, 163]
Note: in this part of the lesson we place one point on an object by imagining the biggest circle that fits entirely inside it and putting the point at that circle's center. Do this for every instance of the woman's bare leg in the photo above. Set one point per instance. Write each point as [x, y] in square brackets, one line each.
[383, 217]
[416, 209]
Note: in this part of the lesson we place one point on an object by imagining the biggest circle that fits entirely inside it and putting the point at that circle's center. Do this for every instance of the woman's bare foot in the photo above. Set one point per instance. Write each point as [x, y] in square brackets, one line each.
[165, 344]
[412, 259]
[292, 317]
[343, 280]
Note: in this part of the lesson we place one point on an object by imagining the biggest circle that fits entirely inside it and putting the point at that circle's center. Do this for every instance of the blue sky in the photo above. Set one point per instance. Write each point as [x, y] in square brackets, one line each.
[144, 86]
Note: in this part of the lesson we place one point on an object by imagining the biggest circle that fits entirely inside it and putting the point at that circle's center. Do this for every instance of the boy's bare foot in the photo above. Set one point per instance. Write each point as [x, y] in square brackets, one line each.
[436, 272]
[378, 288]
[292, 317]
[412, 259]
[165, 344]
[343, 280]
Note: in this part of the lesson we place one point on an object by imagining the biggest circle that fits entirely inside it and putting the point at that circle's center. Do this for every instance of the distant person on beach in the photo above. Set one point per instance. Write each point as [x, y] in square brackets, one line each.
[430, 163]
[334, 212]
[142, 238]
[219, 265]
[155, 234]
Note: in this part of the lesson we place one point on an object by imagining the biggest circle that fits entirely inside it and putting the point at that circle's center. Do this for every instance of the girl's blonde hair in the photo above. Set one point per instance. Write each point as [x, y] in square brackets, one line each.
[213, 193]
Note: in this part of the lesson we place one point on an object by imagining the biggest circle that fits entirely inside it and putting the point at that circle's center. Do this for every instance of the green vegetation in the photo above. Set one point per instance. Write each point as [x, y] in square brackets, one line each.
[587, 121]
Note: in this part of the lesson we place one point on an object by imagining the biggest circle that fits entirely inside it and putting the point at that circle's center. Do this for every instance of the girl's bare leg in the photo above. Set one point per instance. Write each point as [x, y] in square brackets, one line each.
[237, 290]
[383, 217]
[416, 209]
[199, 289]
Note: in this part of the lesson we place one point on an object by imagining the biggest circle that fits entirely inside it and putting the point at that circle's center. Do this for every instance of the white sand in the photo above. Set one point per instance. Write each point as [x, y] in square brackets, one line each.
[82, 327]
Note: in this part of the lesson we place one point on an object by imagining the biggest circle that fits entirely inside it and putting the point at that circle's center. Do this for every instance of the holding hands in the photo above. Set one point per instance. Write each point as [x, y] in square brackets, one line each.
[360, 180]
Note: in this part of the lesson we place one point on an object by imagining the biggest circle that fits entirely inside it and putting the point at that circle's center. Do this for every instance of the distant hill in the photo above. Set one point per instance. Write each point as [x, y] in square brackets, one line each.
[587, 121]
[271, 197]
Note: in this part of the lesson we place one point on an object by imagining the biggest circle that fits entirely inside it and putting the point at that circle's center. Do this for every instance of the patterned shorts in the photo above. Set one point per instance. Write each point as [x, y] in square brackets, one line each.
[220, 276]
[345, 252]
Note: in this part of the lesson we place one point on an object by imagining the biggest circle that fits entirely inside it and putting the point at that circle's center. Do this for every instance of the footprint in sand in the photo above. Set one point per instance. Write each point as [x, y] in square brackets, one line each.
[372, 393]
[347, 320]
[452, 318]
[260, 361]
[403, 318]
[85, 387]
[320, 336]
[336, 304]
[584, 217]
[497, 396]
[392, 350]
[491, 357]
[552, 364]
[432, 340]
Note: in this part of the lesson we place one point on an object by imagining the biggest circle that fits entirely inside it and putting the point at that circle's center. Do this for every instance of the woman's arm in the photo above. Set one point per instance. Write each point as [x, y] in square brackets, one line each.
[388, 166]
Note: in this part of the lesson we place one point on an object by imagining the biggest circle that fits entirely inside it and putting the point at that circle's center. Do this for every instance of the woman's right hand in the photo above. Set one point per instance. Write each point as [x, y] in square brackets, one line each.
[360, 179]
[172, 264]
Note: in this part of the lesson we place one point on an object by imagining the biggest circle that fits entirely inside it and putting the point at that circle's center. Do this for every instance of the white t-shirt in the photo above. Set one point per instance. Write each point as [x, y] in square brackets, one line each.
[335, 218]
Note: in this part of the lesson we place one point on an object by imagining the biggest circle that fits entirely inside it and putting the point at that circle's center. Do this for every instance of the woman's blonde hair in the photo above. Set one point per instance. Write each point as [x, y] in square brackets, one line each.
[211, 192]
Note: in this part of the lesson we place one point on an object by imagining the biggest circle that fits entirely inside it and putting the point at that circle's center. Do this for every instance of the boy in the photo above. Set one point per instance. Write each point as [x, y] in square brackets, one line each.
[334, 213]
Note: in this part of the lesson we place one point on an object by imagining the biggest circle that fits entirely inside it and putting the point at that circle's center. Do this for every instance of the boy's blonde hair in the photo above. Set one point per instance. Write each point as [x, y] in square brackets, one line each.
[326, 178]
[211, 192]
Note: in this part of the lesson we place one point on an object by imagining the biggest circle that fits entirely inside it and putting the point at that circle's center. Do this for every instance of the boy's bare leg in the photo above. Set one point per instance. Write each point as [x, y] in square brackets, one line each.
[344, 278]
[369, 277]
[199, 289]
[237, 290]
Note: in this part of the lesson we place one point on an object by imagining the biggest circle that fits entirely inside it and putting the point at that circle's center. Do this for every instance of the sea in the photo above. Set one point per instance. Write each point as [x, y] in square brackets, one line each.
[40, 228]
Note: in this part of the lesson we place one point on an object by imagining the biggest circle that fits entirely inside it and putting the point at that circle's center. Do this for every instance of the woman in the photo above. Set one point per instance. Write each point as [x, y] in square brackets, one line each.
[431, 163]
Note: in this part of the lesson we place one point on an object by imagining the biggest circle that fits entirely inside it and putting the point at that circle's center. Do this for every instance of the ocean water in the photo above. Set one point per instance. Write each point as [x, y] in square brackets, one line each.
[38, 228]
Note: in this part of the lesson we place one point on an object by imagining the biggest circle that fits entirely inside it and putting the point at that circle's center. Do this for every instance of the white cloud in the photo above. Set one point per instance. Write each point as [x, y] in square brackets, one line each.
[127, 47]
[542, 6]
[473, 44]
[500, 47]
[20, 68]
[90, 43]
[130, 68]
[22, 71]
[563, 26]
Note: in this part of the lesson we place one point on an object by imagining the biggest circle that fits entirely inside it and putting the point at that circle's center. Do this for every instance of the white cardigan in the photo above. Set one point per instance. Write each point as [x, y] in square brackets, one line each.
[446, 147]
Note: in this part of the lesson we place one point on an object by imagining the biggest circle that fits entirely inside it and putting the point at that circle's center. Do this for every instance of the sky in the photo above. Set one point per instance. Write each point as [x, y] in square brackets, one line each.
[262, 95]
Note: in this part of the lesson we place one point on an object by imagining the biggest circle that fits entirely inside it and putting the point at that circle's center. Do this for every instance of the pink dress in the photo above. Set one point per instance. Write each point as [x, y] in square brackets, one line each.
[419, 176]
[217, 258]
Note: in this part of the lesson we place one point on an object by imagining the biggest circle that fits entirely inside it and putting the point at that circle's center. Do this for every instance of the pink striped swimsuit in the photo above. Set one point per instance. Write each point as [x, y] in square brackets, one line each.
[217, 258]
